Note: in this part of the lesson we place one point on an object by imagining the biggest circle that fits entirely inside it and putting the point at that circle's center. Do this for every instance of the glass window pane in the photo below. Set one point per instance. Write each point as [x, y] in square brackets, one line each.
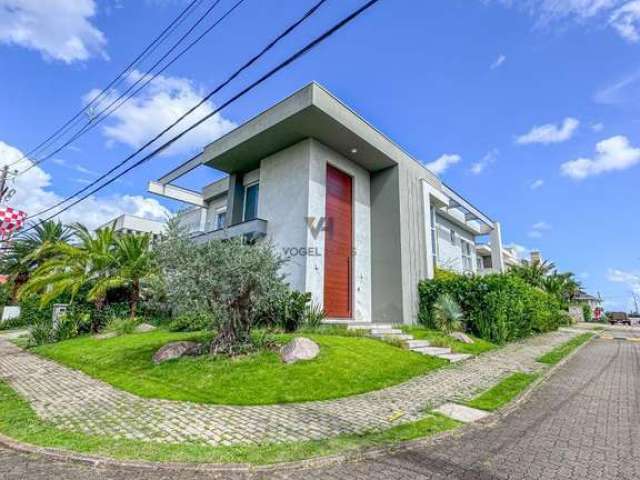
[251, 202]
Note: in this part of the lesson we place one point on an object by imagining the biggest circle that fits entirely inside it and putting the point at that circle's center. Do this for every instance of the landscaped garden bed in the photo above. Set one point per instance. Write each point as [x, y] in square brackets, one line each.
[439, 339]
[346, 365]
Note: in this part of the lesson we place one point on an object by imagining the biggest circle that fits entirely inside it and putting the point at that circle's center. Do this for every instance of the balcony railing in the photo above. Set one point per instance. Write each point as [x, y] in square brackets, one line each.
[249, 230]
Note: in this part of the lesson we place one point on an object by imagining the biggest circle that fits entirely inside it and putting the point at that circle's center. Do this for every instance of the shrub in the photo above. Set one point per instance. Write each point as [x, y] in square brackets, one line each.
[193, 322]
[498, 308]
[315, 316]
[587, 313]
[42, 331]
[447, 314]
[122, 325]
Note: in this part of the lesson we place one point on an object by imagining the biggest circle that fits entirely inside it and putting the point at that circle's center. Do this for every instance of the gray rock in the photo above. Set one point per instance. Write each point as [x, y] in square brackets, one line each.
[300, 348]
[462, 337]
[174, 350]
[145, 327]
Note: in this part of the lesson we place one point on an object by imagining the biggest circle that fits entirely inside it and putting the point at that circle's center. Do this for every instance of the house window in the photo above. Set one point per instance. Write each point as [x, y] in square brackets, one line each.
[220, 219]
[452, 235]
[251, 202]
[465, 247]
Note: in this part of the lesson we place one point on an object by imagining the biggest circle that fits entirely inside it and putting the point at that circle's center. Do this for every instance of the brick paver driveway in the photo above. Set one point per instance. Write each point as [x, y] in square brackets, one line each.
[584, 423]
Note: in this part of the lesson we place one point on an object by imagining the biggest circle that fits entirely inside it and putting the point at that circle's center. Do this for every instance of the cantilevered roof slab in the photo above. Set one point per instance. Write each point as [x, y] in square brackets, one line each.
[311, 112]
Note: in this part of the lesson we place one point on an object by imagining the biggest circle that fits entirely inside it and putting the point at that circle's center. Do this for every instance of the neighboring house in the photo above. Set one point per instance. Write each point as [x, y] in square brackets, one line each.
[484, 259]
[132, 224]
[583, 298]
[360, 220]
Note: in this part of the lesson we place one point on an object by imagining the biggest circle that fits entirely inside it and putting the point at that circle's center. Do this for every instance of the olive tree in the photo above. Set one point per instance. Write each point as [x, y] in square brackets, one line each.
[228, 278]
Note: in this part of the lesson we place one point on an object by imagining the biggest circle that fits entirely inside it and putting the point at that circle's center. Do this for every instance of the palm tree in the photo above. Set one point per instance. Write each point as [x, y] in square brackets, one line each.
[563, 285]
[26, 251]
[535, 272]
[133, 264]
[70, 267]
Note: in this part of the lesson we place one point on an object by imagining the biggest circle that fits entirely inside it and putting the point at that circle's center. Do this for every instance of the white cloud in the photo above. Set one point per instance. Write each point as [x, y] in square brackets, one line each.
[536, 184]
[490, 157]
[537, 229]
[615, 153]
[442, 163]
[59, 29]
[621, 15]
[626, 20]
[163, 101]
[498, 61]
[624, 91]
[33, 194]
[550, 133]
[597, 127]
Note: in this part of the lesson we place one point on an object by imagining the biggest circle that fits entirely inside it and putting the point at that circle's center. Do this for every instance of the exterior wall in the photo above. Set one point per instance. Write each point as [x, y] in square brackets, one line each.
[283, 203]
[450, 254]
[322, 155]
[292, 193]
[213, 207]
[190, 219]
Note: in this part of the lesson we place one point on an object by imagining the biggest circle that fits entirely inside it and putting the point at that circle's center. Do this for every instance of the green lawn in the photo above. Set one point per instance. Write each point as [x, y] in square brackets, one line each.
[558, 353]
[17, 420]
[503, 392]
[439, 339]
[346, 366]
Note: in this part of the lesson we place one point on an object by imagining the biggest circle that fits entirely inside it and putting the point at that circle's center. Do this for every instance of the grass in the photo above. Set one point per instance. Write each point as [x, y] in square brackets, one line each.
[439, 339]
[18, 420]
[558, 353]
[503, 392]
[345, 366]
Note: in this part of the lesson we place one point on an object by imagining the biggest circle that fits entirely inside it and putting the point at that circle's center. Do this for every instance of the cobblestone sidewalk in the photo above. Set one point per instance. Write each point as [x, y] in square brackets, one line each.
[74, 401]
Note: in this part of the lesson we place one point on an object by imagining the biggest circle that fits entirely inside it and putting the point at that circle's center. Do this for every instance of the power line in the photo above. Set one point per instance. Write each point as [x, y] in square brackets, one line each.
[206, 98]
[92, 123]
[167, 31]
[298, 54]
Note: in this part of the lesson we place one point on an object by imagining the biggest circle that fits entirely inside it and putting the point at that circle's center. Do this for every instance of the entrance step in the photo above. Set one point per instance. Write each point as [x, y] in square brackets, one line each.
[455, 357]
[411, 344]
[385, 331]
[433, 351]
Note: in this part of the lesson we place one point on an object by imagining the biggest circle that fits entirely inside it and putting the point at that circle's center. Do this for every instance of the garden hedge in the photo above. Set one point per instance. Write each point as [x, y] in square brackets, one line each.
[498, 307]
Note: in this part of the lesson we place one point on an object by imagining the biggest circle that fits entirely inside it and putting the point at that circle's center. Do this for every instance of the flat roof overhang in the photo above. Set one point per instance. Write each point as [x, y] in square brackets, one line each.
[309, 113]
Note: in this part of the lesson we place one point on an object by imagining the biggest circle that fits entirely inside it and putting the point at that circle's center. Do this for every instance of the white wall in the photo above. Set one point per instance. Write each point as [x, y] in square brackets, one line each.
[450, 254]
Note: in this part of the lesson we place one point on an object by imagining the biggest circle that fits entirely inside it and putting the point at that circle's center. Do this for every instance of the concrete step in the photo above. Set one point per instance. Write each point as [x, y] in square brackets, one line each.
[400, 337]
[455, 357]
[370, 326]
[433, 351]
[411, 343]
[386, 331]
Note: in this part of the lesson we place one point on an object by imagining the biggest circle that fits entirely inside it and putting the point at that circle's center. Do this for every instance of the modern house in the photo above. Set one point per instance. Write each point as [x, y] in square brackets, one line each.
[360, 220]
[132, 224]
[484, 258]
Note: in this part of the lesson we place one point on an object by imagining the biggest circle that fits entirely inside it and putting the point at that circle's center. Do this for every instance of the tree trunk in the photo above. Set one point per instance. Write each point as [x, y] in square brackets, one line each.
[134, 298]
[236, 331]
[96, 320]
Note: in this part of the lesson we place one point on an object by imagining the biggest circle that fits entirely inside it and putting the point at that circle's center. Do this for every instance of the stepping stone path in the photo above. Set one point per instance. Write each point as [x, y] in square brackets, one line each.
[388, 332]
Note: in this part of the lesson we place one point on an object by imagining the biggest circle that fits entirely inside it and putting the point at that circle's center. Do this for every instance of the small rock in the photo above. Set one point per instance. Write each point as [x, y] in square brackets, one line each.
[174, 350]
[145, 327]
[299, 348]
[462, 337]
[105, 335]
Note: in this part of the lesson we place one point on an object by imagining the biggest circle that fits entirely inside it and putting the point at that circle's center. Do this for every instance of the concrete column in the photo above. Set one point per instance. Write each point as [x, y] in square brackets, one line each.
[495, 242]
[426, 212]
[235, 199]
[203, 219]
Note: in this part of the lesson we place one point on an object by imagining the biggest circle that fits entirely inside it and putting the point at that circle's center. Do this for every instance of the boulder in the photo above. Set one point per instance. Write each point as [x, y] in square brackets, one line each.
[174, 350]
[462, 337]
[145, 327]
[300, 348]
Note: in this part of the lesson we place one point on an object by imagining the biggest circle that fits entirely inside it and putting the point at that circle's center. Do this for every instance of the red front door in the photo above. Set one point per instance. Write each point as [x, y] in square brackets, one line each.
[338, 245]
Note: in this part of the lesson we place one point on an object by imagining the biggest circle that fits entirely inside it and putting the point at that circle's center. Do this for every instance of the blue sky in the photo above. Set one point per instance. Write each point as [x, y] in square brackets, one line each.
[531, 106]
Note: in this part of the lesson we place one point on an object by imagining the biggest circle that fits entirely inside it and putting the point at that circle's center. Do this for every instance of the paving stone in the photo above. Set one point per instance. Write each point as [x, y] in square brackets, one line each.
[454, 357]
[72, 400]
[461, 413]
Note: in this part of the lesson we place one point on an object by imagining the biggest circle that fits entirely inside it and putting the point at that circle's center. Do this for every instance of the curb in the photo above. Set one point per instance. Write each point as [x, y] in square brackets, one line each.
[57, 454]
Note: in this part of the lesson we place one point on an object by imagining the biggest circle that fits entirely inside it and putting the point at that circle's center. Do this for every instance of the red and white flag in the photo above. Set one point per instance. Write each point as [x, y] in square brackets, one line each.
[10, 221]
